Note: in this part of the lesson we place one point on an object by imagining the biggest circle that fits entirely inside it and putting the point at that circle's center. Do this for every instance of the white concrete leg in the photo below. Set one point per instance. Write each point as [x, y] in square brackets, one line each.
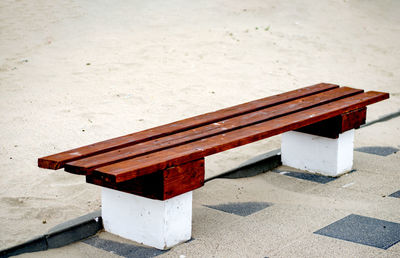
[330, 157]
[160, 224]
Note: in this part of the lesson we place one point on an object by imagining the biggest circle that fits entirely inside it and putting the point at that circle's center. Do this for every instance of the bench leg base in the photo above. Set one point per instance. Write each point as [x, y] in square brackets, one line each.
[330, 157]
[160, 224]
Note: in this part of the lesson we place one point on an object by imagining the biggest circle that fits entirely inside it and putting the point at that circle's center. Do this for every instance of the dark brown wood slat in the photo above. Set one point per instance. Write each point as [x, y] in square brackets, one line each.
[58, 160]
[162, 184]
[83, 166]
[353, 119]
[332, 127]
[143, 165]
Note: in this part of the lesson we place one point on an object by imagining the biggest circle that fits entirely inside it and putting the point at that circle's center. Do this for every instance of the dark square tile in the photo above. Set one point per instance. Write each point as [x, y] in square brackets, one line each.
[241, 208]
[122, 249]
[378, 150]
[306, 176]
[364, 230]
[395, 194]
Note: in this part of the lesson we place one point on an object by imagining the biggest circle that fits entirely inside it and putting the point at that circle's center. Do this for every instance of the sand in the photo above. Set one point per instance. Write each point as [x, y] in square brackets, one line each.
[76, 72]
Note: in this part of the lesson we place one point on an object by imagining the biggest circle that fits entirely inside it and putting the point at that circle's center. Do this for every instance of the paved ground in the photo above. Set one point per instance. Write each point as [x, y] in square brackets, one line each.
[287, 213]
[80, 71]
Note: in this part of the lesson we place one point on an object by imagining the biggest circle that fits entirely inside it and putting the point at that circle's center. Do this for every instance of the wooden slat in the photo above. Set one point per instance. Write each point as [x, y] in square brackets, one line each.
[183, 178]
[332, 127]
[83, 166]
[143, 165]
[353, 120]
[58, 160]
[162, 184]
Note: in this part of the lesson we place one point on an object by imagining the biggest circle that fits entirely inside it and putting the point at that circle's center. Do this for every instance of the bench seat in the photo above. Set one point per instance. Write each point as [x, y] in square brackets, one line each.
[133, 163]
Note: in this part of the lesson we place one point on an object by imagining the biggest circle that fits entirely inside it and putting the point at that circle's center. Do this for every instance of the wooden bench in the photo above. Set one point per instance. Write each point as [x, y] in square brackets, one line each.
[166, 162]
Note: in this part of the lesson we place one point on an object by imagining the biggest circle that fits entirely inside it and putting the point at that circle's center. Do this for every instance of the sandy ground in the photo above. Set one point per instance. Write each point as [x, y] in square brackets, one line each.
[76, 72]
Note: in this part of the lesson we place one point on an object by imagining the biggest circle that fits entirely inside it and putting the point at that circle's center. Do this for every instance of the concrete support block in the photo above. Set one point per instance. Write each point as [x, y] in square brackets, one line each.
[330, 157]
[160, 224]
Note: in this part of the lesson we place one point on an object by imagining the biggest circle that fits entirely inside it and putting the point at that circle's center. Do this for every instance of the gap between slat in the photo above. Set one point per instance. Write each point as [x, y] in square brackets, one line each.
[135, 167]
[85, 165]
[58, 160]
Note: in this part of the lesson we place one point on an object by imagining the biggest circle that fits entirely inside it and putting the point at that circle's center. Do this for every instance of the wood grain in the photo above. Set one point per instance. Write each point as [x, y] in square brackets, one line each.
[183, 178]
[58, 160]
[162, 184]
[160, 160]
[332, 127]
[85, 165]
[353, 119]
